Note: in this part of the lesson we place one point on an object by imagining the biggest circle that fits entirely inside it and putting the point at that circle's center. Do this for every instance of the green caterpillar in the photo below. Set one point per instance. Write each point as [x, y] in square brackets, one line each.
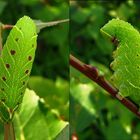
[15, 65]
[126, 64]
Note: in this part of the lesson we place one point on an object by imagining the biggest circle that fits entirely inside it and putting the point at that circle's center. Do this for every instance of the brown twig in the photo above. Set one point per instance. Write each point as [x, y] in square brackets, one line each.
[6, 131]
[92, 73]
[6, 26]
[9, 133]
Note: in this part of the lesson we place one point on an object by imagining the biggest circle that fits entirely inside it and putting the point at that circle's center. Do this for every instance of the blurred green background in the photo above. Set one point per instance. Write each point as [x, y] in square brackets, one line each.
[50, 74]
[94, 114]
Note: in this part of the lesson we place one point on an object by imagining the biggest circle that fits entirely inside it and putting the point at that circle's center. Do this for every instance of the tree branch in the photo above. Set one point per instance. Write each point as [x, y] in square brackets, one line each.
[92, 73]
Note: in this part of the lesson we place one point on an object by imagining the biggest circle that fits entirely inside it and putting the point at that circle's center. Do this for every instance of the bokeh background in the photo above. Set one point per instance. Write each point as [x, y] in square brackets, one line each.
[94, 114]
[50, 73]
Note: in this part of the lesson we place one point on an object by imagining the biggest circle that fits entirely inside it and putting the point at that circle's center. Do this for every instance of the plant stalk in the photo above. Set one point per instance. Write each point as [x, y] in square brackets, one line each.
[9, 133]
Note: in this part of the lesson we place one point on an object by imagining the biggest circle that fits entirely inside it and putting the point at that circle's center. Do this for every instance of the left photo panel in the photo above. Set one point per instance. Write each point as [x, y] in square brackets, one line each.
[34, 70]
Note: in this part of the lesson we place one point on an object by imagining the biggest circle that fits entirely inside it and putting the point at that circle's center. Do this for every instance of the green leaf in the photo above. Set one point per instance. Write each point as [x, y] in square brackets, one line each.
[55, 94]
[16, 63]
[64, 134]
[35, 121]
[115, 130]
[81, 93]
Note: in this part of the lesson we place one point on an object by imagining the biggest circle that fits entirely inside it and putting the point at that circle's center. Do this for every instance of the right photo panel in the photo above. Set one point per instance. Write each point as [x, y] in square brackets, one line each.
[104, 70]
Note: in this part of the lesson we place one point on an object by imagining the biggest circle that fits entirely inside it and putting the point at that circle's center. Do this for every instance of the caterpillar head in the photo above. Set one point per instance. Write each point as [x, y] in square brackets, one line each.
[110, 28]
[116, 28]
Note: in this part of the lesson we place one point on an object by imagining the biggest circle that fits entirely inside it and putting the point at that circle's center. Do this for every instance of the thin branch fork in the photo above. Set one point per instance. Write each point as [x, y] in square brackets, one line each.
[92, 73]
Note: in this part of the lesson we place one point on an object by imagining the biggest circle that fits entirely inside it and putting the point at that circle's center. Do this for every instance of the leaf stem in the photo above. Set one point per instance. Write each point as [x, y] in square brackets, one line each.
[9, 133]
[6, 26]
[6, 131]
[45, 24]
[92, 73]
